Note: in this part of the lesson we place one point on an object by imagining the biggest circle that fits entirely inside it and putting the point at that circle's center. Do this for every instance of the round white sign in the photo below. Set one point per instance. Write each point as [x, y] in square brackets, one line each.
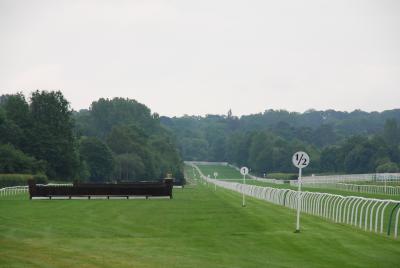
[300, 159]
[244, 171]
[215, 174]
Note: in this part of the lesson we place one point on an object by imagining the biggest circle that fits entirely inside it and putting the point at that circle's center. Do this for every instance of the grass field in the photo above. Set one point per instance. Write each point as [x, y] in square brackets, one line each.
[224, 172]
[198, 228]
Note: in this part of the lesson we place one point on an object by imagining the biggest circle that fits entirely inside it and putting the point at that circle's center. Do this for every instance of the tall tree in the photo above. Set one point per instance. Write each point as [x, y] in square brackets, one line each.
[52, 134]
[98, 157]
[391, 132]
[15, 128]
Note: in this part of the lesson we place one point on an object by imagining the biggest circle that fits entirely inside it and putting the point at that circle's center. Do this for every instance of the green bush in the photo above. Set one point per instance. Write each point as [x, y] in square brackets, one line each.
[7, 180]
[388, 167]
[14, 161]
[40, 178]
[282, 176]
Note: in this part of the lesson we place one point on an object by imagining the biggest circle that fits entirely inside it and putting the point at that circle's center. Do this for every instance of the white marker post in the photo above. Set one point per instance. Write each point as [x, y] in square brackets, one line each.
[385, 176]
[244, 171]
[215, 177]
[299, 160]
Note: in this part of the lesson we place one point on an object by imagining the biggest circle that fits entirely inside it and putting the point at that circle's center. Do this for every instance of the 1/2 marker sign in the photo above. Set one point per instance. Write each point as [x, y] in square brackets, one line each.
[300, 159]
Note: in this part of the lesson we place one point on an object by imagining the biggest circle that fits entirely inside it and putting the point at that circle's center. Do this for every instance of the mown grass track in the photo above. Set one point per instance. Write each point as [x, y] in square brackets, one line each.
[198, 228]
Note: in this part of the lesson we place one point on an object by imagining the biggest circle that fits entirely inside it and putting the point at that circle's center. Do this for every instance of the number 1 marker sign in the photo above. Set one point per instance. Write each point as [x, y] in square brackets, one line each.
[244, 171]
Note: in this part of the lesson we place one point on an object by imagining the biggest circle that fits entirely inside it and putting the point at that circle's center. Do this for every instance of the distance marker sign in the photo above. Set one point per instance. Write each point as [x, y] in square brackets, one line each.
[244, 171]
[300, 159]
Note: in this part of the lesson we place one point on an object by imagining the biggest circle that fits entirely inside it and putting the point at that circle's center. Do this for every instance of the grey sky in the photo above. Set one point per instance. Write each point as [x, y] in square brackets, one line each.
[198, 57]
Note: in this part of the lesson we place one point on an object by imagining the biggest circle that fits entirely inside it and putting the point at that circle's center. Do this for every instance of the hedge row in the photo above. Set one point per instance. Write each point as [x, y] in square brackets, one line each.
[7, 180]
[282, 176]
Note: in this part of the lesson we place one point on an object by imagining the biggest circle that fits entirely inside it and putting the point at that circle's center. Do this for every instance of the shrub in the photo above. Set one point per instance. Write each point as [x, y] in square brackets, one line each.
[40, 178]
[388, 167]
[13, 161]
[282, 176]
[7, 180]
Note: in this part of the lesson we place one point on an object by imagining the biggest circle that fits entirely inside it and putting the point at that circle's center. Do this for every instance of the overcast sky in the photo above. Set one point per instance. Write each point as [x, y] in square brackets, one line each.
[199, 57]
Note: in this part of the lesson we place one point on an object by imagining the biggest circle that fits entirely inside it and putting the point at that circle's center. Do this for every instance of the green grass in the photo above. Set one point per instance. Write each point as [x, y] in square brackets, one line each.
[198, 228]
[379, 183]
[224, 172]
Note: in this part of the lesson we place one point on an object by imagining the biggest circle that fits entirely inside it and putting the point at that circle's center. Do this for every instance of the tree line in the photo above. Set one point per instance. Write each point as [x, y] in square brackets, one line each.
[120, 139]
[115, 139]
[337, 142]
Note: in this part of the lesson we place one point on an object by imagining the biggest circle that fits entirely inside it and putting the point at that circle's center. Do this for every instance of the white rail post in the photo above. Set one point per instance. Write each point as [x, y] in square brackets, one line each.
[215, 183]
[244, 171]
[385, 177]
[244, 196]
[298, 203]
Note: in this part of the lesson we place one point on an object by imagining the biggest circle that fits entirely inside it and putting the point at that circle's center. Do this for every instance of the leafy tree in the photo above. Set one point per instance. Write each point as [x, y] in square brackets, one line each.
[143, 149]
[361, 158]
[98, 157]
[15, 121]
[52, 134]
[106, 113]
[129, 166]
[388, 167]
[324, 135]
[391, 132]
[330, 159]
[13, 160]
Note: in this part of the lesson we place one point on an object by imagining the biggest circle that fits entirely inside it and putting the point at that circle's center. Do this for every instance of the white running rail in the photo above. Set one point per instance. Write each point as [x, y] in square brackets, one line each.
[369, 188]
[16, 190]
[13, 190]
[381, 177]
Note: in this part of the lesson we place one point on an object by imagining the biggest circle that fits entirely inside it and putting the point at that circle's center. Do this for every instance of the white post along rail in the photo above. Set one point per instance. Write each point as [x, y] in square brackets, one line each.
[14, 190]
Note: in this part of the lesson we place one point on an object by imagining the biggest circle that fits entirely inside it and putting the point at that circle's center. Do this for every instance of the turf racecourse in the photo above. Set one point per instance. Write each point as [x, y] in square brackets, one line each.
[229, 173]
[198, 228]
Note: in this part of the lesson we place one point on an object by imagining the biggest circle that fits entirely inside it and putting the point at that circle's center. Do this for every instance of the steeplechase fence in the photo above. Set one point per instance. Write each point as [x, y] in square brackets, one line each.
[91, 190]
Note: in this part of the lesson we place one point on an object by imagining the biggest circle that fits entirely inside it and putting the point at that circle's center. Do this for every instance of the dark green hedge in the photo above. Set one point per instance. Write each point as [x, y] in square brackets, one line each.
[7, 180]
[282, 176]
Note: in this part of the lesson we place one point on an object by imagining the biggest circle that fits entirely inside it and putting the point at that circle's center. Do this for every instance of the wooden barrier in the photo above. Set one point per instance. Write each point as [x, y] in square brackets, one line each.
[106, 190]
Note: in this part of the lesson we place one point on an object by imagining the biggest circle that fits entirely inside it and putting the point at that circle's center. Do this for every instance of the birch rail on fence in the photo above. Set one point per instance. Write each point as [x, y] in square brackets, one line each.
[381, 177]
[13, 190]
[369, 189]
[369, 214]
